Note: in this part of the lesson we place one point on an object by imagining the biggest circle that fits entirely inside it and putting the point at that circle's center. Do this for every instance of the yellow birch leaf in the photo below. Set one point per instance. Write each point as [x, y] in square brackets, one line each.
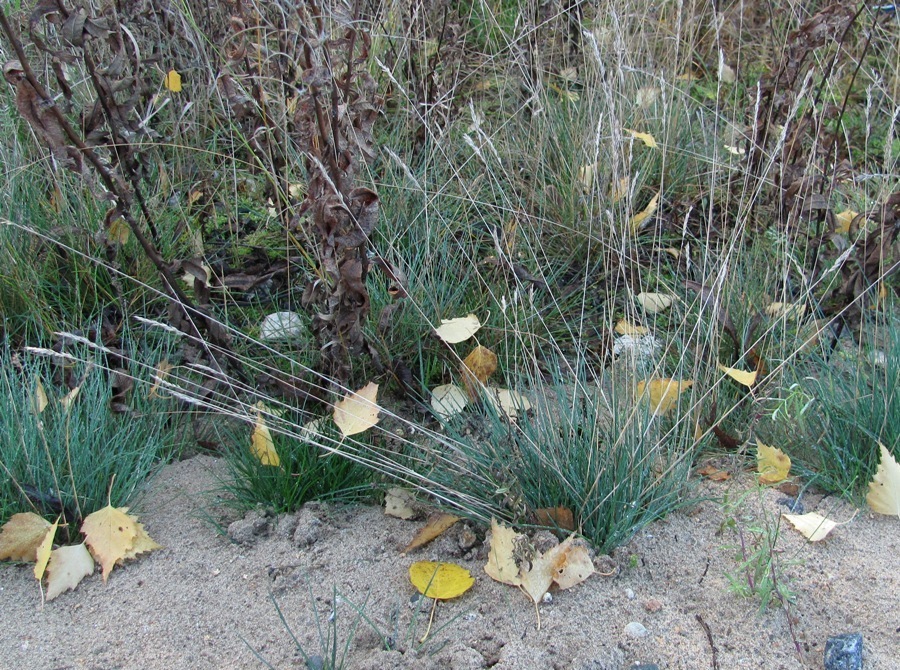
[624, 327]
[67, 400]
[358, 411]
[448, 400]
[441, 581]
[814, 527]
[21, 536]
[786, 310]
[400, 503]
[261, 443]
[663, 393]
[844, 221]
[586, 174]
[748, 379]
[772, 464]
[619, 190]
[646, 138]
[67, 567]
[142, 544]
[457, 330]
[508, 402]
[565, 564]
[172, 81]
[109, 534]
[477, 367]
[638, 219]
[42, 554]
[436, 525]
[884, 489]
[501, 565]
[39, 401]
[654, 302]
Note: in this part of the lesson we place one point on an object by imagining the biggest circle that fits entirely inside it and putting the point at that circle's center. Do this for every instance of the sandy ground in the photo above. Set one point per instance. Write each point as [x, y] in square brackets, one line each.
[206, 600]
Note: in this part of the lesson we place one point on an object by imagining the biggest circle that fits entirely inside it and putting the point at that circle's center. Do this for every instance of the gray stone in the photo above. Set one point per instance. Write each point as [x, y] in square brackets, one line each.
[249, 529]
[642, 666]
[636, 629]
[315, 662]
[844, 652]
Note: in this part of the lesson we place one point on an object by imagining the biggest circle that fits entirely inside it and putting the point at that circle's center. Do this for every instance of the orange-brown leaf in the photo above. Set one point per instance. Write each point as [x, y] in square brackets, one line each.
[478, 366]
[434, 527]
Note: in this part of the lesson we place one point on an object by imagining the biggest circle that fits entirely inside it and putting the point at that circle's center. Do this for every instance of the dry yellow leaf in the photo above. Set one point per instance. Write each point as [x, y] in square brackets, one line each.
[142, 542]
[814, 527]
[646, 138]
[261, 443]
[884, 489]
[172, 81]
[772, 464]
[508, 402]
[505, 545]
[663, 393]
[441, 581]
[400, 503]
[118, 231]
[624, 327]
[646, 96]
[67, 400]
[638, 219]
[109, 534]
[654, 302]
[67, 567]
[586, 174]
[457, 330]
[39, 401]
[163, 368]
[844, 221]
[748, 379]
[357, 412]
[786, 310]
[436, 525]
[448, 400]
[44, 549]
[477, 367]
[619, 190]
[21, 536]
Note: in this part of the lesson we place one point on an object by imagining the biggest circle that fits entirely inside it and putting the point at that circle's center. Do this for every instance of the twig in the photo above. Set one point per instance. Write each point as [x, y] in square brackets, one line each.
[709, 637]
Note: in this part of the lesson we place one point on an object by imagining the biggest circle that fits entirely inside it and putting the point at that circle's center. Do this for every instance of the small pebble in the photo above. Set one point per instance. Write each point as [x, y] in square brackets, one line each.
[793, 504]
[629, 593]
[844, 652]
[643, 666]
[635, 629]
[315, 662]
[653, 605]
[547, 599]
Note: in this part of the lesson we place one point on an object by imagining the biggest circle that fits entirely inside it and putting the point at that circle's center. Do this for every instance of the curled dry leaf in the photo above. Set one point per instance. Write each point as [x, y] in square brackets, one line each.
[625, 327]
[772, 464]
[457, 330]
[844, 221]
[441, 581]
[646, 138]
[67, 400]
[713, 473]
[641, 217]
[400, 503]
[557, 518]
[67, 567]
[744, 377]
[884, 489]
[508, 402]
[654, 302]
[477, 367]
[39, 400]
[357, 412]
[814, 527]
[448, 400]
[261, 444]
[163, 368]
[663, 393]
[786, 310]
[21, 536]
[436, 525]
[586, 174]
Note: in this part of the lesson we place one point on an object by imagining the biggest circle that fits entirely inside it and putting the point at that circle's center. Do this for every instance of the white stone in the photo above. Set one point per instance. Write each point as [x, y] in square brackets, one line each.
[280, 326]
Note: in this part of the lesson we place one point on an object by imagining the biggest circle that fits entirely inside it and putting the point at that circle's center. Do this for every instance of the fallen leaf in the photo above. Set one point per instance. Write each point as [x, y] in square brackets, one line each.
[619, 190]
[142, 544]
[118, 231]
[736, 150]
[646, 138]
[557, 518]
[748, 379]
[44, 549]
[586, 175]
[400, 503]
[624, 327]
[654, 302]
[280, 326]
[357, 412]
[501, 564]
[261, 443]
[67, 400]
[434, 527]
[163, 368]
[638, 219]
[39, 401]
[172, 81]
[21, 536]
[786, 310]
[726, 73]
[109, 534]
[772, 464]
[441, 581]
[884, 489]
[844, 221]
[67, 567]
[814, 527]
[713, 473]
[646, 96]
[457, 330]
[477, 367]
[663, 393]
[448, 400]
[508, 402]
